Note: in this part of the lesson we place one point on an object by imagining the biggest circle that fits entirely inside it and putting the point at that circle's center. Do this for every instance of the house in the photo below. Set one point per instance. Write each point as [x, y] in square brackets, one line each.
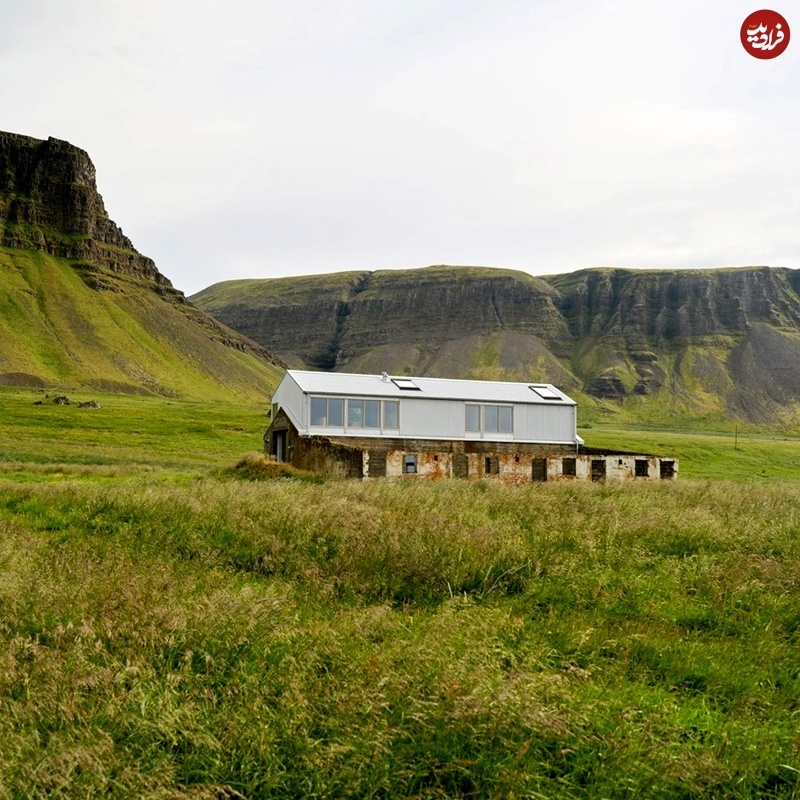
[380, 426]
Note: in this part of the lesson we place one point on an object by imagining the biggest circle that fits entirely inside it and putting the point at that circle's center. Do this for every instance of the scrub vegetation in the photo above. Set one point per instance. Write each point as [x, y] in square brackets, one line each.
[178, 620]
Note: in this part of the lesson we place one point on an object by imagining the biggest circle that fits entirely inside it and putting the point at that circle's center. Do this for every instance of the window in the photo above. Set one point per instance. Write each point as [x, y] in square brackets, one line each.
[391, 414]
[319, 411]
[409, 463]
[491, 465]
[336, 412]
[490, 418]
[642, 470]
[406, 384]
[568, 467]
[372, 413]
[327, 411]
[330, 412]
[545, 392]
[355, 413]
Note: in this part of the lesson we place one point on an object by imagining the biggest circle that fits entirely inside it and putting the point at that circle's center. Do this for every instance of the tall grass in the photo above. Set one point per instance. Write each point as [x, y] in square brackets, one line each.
[282, 639]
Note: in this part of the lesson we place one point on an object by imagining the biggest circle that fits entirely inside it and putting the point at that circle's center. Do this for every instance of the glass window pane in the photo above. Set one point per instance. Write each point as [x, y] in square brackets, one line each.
[505, 419]
[355, 413]
[390, 414]
[319, 414]
[372, 413]
[336, 413]
[490, 418]
[473, 418]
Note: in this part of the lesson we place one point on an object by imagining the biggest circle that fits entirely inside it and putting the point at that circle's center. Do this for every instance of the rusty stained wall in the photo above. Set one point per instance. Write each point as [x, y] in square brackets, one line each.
[623, 468]
[430, 465]
[517, 469]
[349, 458]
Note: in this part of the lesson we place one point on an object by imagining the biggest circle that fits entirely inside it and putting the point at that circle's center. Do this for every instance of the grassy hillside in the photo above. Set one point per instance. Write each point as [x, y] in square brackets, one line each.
[66, 325]
[171, 631]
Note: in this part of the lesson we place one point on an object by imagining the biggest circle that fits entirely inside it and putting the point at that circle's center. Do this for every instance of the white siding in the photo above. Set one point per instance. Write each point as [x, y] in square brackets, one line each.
[539, 423]
[424, 417]
[431, 419]
[289, 396]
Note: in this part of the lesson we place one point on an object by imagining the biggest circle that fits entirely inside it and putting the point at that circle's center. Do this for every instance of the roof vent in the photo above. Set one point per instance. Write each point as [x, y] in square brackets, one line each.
[385, 377]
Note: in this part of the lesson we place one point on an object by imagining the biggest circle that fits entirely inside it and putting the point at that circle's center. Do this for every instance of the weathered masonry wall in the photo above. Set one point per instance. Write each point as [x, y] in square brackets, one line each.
[519, 468]
[412, 459]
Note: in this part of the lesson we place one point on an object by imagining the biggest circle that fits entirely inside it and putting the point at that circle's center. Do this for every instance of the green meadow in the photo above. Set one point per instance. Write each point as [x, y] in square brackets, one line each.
[171, 626]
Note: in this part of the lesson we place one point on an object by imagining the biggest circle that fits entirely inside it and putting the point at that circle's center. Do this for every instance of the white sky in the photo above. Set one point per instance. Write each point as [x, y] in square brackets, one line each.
[241, 139]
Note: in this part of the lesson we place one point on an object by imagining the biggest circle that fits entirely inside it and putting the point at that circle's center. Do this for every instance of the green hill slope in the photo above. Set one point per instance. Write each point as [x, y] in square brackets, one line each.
[80, 307]
[644, 346]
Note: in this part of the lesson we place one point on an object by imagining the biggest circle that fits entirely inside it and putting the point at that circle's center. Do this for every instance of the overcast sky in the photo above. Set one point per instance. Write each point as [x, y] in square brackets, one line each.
[235, 138]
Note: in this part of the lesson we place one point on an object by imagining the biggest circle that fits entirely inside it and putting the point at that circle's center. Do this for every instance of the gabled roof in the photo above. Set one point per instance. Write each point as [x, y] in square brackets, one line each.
[343, 383]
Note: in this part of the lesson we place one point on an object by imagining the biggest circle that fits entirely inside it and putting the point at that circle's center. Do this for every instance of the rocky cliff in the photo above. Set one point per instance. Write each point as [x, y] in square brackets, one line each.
[49, 202]
[82, 307]
[716, 343]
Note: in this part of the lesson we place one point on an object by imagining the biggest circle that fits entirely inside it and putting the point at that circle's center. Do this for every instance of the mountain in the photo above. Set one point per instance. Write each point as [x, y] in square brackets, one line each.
[650, 345]
[81, 307]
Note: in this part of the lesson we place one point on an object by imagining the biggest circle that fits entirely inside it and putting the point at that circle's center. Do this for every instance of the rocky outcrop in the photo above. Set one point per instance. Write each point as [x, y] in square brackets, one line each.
[49, 202]
[669, 304]
[122, 326]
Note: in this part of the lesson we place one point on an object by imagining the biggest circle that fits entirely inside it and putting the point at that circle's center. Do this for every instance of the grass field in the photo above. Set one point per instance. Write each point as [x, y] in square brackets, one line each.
[168, 630]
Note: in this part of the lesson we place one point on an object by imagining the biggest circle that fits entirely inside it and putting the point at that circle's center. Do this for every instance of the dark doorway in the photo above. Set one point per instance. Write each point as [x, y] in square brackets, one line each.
[539, 470]
[377, 464]
[460, 466]
[279, 445]
[598, 469]
[667, 470]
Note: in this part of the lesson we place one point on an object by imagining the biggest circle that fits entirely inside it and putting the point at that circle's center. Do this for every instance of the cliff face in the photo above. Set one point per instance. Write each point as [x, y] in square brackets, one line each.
[680, 303]
[82, 307]
[695, 342]
[49, 203]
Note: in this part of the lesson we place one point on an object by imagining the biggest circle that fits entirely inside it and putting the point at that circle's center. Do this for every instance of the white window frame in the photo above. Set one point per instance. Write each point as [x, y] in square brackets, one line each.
[482, 418]
[345, 401]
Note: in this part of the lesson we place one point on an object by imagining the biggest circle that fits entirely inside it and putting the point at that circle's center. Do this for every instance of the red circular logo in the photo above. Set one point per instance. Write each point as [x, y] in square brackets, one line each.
[765, 34]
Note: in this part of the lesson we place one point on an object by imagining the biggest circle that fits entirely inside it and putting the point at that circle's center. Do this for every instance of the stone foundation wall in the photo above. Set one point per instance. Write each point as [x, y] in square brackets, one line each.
[415, 459]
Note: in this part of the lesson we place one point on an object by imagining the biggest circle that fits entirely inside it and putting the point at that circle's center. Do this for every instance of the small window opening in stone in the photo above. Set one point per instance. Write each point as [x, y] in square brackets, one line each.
[516, 458]
[642, 470]
[619, 462]
[436, 458]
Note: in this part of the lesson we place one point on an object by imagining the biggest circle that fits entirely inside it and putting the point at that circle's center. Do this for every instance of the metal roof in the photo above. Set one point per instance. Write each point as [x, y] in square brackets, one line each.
[343, 383]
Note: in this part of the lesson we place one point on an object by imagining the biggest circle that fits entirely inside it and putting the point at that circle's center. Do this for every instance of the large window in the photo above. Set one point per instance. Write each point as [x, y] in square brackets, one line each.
[391, 414]
[355, 413]
[329, 412]
[490, 418]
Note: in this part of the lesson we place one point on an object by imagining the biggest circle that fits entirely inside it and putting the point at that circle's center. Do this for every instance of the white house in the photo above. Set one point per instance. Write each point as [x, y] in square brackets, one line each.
[388, 426]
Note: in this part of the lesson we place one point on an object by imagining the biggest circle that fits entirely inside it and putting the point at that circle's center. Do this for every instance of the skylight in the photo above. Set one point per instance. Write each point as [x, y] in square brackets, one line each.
[545, 392]
[407, 384]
